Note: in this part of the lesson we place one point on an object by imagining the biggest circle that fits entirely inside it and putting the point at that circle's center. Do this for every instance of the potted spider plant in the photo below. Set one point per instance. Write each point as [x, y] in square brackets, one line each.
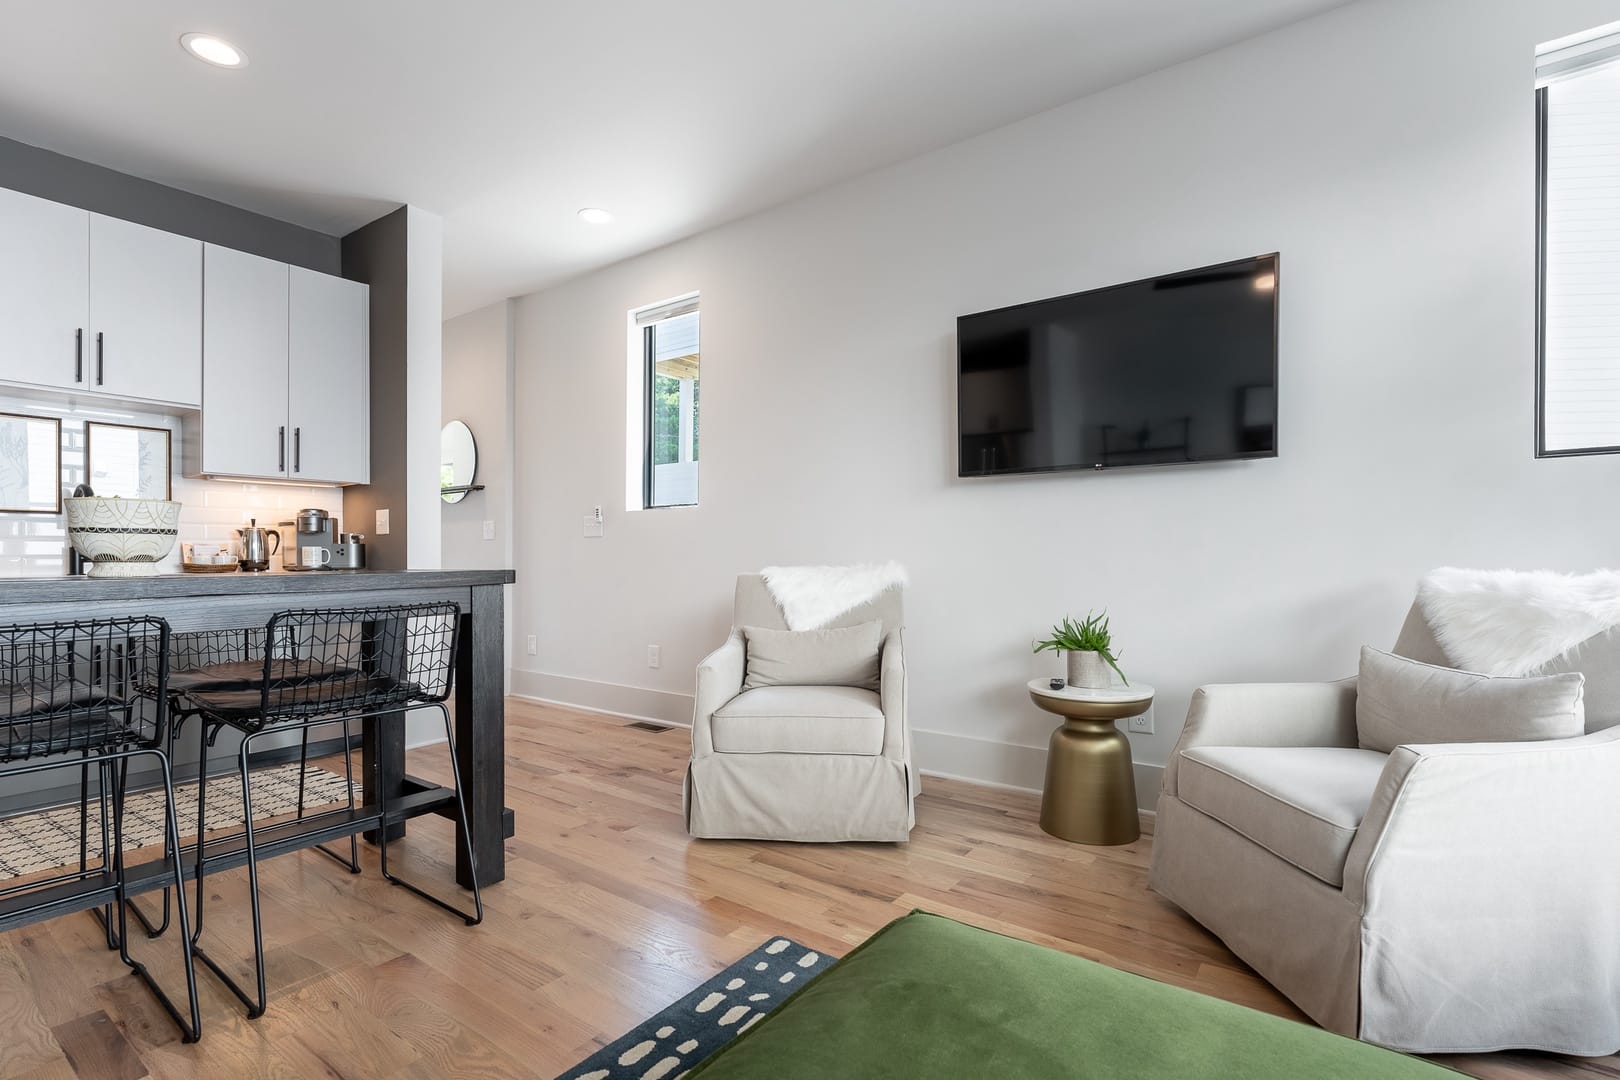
[1089, 648]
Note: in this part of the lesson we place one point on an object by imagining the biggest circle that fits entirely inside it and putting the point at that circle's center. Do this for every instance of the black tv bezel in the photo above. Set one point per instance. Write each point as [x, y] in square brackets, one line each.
[1258, 455]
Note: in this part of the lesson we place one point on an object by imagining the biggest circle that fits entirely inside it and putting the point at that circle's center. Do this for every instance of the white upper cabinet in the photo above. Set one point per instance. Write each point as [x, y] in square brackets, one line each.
[44, 292]
[146, 297]
[270, 363]
[328, 407]
[244, 399]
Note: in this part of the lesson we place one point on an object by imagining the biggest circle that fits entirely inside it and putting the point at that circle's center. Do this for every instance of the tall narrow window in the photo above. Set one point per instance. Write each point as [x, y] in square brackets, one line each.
[1578, 236]
[672, 398]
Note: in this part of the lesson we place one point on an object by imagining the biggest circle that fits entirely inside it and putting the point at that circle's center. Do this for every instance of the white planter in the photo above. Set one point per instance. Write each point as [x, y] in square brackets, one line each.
[1089, 670]
[122, 537]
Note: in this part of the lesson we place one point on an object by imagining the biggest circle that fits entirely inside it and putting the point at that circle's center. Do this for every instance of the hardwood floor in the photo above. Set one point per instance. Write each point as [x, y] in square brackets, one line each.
[608, 913]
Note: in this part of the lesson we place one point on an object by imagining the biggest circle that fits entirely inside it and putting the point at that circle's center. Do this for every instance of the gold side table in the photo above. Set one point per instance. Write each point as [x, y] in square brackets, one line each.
[1090, 794]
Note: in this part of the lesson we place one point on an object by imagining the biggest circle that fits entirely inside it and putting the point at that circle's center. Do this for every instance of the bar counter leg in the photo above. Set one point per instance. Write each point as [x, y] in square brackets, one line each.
[481, 734]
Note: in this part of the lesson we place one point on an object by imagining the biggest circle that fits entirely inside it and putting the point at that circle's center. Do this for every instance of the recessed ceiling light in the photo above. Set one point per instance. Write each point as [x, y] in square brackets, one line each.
[594, 215]
[212, 50]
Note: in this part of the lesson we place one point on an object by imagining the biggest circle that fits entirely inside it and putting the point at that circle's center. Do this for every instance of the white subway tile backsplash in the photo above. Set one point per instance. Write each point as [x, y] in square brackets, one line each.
[35, 545]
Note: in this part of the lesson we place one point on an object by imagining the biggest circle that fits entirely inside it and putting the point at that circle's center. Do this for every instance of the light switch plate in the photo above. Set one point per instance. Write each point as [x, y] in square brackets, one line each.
[382, 523]
[489, 530]
[593, 526]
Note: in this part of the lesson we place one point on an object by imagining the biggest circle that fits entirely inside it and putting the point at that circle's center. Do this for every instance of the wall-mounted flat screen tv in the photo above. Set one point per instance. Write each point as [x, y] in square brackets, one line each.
[1166, 371]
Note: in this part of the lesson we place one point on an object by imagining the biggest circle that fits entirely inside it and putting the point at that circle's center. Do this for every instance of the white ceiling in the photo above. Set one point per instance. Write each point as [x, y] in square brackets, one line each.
[507, 116]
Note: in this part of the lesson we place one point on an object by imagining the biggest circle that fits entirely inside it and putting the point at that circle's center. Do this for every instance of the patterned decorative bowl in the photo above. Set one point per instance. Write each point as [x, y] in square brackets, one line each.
[122, 537]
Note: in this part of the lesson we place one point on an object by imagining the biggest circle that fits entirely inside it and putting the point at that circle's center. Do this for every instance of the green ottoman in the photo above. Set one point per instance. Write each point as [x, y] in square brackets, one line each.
[930, 997]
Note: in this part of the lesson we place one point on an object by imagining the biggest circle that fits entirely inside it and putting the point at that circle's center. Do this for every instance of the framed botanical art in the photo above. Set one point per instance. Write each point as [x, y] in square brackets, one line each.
[127, 461]
[30, 464]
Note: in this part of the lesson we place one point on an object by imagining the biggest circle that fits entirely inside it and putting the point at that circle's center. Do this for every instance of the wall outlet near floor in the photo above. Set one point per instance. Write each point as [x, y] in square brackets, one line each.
[489, 530]
[593, 524]
[534, 645]
[382, 523]
[652, 656]
[1142, 725]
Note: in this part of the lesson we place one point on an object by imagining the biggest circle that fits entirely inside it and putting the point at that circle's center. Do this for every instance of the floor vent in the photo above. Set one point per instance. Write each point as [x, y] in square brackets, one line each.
[644, 725]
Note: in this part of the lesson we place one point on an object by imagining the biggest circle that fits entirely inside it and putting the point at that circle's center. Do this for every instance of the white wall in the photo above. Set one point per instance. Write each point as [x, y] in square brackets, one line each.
[478, 359]
[424, 374]
[1385, 149]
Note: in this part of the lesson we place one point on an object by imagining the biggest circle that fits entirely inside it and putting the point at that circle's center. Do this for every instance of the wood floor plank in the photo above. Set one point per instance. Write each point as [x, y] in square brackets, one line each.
[608, 913]
[95, 1047]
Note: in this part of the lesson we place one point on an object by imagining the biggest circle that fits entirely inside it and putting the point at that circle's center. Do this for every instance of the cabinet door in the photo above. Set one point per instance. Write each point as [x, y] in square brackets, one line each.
[329, 367]
[145, 313]
[244, 398]
[44, 291]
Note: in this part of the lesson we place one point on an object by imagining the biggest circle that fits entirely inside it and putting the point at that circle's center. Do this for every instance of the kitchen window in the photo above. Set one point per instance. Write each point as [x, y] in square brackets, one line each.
[1578, 245]
[670, 399]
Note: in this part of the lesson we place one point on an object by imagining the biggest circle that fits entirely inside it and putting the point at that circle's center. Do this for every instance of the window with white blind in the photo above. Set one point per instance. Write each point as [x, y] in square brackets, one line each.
[1578, 274]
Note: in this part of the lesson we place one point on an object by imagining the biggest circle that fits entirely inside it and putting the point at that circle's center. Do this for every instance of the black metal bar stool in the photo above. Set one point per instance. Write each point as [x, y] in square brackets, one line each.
[317, 667]
[233, 660]
[73, 694]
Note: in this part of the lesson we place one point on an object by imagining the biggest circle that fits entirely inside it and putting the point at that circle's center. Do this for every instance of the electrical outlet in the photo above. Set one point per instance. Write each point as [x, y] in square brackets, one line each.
[382, 523]
[593, 525]
[1142, 725]
[652, 656]
[534, 645]
[489, 530]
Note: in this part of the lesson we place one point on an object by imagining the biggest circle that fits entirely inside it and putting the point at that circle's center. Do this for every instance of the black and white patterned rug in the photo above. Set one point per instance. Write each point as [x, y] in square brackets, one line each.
[686, 1033]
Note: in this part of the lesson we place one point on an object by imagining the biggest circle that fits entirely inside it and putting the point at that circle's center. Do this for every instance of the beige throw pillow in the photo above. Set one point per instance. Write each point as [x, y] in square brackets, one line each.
[839, 656]
[1401, 702]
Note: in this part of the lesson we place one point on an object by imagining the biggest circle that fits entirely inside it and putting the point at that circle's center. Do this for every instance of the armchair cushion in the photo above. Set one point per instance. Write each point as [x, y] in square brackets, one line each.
[800, 720]
[1301, 803]
[838, 656]
[1401, 701]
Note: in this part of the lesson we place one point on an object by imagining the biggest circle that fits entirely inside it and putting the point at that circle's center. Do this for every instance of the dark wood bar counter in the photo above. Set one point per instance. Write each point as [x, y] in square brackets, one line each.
[202, 602]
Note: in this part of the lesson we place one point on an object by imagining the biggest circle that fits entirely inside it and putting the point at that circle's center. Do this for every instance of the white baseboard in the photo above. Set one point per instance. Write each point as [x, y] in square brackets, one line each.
[1005, 765]
[633, 702]
[938, 753]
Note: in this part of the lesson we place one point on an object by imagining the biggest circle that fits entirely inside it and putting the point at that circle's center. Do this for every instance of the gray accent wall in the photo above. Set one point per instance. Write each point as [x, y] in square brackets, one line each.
[63, 179]
[378, 254]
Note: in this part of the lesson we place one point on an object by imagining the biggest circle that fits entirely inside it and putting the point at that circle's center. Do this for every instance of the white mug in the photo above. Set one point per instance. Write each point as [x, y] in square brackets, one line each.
[313, 558]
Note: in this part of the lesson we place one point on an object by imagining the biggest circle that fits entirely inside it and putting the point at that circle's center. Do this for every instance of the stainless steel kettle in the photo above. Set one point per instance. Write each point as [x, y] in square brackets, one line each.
[256, 546]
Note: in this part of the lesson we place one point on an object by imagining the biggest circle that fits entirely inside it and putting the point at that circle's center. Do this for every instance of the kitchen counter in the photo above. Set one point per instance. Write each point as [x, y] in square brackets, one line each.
[198, 603]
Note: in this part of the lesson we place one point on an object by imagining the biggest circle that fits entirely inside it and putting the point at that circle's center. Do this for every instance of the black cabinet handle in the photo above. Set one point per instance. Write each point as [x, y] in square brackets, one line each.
[281, 453]
[100, 365]
[298, 448]
[78, 355]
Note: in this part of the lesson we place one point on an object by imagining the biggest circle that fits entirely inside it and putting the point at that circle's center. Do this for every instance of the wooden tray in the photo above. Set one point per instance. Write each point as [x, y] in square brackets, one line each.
[208, 568]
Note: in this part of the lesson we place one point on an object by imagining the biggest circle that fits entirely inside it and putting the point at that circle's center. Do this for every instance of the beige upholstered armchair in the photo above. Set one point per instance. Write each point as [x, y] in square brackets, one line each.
[1449, 897]
[808, 763]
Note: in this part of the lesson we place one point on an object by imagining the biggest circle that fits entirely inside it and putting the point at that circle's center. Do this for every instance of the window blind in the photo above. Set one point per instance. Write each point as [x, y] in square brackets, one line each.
[659, 312]
[1570, 56]
[1581, 248]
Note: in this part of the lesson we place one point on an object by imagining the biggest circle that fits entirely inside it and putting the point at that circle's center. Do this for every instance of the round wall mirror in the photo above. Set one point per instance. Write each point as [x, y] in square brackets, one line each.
[458, 461]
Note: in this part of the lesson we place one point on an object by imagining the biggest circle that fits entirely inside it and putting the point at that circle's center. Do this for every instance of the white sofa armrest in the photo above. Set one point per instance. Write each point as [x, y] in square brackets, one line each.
[1487, 877]
[1266, 714]
[892, 697]
[719, 679]
[1520, 815]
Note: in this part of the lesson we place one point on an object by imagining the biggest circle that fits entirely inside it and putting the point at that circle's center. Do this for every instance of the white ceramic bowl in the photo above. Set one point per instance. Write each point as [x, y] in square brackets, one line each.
[122, 537]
